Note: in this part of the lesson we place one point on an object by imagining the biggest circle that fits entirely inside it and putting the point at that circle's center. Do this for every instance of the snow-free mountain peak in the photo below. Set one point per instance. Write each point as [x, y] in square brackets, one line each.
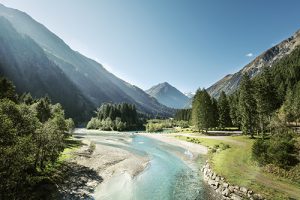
[168, 95]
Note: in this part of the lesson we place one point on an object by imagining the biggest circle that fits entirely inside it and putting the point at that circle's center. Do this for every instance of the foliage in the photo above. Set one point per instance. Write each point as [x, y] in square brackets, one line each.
[154, 127]
[119, 117]
[202, 111]
[94, 123]
[31, 137]
[157, 125]
[266, 99]
[224, 111]
[183, 115]
[247, 106]
[70, 124]
[215, 113]
[7, 89]
[278, 150]
[234, 112]
[292, 174]
[208, 113]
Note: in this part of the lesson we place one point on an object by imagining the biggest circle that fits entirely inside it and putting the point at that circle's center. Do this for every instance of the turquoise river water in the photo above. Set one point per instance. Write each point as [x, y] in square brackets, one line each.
[167, 176]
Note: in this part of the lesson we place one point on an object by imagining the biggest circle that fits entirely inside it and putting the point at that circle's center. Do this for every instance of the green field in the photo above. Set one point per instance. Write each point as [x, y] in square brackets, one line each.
[237, 166]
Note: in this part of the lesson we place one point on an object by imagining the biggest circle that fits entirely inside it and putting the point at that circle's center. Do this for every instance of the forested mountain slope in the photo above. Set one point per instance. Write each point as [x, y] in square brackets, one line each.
[267, 59]
[95, 84]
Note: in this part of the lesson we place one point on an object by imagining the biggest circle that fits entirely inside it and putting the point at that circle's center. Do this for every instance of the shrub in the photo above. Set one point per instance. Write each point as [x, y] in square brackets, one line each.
[154, 127]
[92, 147]
[278, 150]
[224, 146]
[213, 150]
[259, 151]
[94, 123]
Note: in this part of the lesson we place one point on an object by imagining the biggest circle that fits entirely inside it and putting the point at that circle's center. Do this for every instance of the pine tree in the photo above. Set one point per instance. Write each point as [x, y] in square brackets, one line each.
[266, 98]
[247, 106]
[224, 111]
[43, 109]
[215, 112]
[296, 103]
[234, 109]
[287, 107]
[202, 110]
[7, 89]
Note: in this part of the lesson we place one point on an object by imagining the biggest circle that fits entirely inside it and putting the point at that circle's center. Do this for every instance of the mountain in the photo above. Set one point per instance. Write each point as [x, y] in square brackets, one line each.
[168, 95]
[80, 75]
[189, 94]
[24, 62]
[267, 59]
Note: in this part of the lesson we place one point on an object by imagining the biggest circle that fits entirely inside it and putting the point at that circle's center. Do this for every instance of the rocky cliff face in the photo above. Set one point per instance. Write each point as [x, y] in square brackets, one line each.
[231, 82]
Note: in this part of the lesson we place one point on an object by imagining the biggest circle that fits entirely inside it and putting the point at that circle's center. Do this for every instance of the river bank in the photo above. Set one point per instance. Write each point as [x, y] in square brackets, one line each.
[133, 166]
[104, 160]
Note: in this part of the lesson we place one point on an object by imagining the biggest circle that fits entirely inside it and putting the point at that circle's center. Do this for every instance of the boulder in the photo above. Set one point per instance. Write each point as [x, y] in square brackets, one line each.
[235, 197]
[236, 187]
[226, 192]
[231, 188]
[257, 197]
[214, 175]
[225, 185]
[211, 182]
[244, 190]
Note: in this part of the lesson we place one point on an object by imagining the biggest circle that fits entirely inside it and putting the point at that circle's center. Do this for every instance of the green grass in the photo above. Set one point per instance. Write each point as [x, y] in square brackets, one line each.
[237, 166]
[71, 146]
[210, 143]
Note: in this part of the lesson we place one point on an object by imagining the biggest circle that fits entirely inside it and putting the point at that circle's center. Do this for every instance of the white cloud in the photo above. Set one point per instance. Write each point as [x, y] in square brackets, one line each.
[249, 54]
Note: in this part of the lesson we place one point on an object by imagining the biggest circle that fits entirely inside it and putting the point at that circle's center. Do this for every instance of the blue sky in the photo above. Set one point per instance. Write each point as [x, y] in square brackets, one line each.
[188, 43]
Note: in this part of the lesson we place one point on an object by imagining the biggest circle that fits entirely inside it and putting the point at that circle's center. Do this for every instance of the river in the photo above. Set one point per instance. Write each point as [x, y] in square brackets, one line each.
[171, 174]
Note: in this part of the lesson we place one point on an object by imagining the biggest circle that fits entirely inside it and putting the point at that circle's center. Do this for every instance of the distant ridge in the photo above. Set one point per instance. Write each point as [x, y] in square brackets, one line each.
[232, 81]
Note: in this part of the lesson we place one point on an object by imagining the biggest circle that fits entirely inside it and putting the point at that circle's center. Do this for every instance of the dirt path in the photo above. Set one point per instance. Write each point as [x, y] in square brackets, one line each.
[223, 138]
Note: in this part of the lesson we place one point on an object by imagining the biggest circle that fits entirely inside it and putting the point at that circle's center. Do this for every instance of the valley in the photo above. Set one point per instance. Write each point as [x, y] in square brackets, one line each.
[137, 162]
[114, 100]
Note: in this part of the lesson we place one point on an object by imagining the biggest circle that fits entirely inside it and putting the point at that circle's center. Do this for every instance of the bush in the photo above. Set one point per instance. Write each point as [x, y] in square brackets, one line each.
[154, 127]
[292, 174]
[213, 150]
[92, 147]
[259, 151]
[94, 123]
[278, 150]
[224, 146]
[70, 124]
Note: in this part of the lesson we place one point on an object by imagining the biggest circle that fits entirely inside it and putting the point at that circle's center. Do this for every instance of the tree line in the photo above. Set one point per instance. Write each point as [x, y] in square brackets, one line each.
[32, 133]
[267, 105]
[256, 105]
[183, 114]
[118, 117]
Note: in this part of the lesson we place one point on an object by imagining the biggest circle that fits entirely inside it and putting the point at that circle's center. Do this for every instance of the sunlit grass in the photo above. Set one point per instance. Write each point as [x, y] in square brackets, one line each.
[237, 166]
[71, 146]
